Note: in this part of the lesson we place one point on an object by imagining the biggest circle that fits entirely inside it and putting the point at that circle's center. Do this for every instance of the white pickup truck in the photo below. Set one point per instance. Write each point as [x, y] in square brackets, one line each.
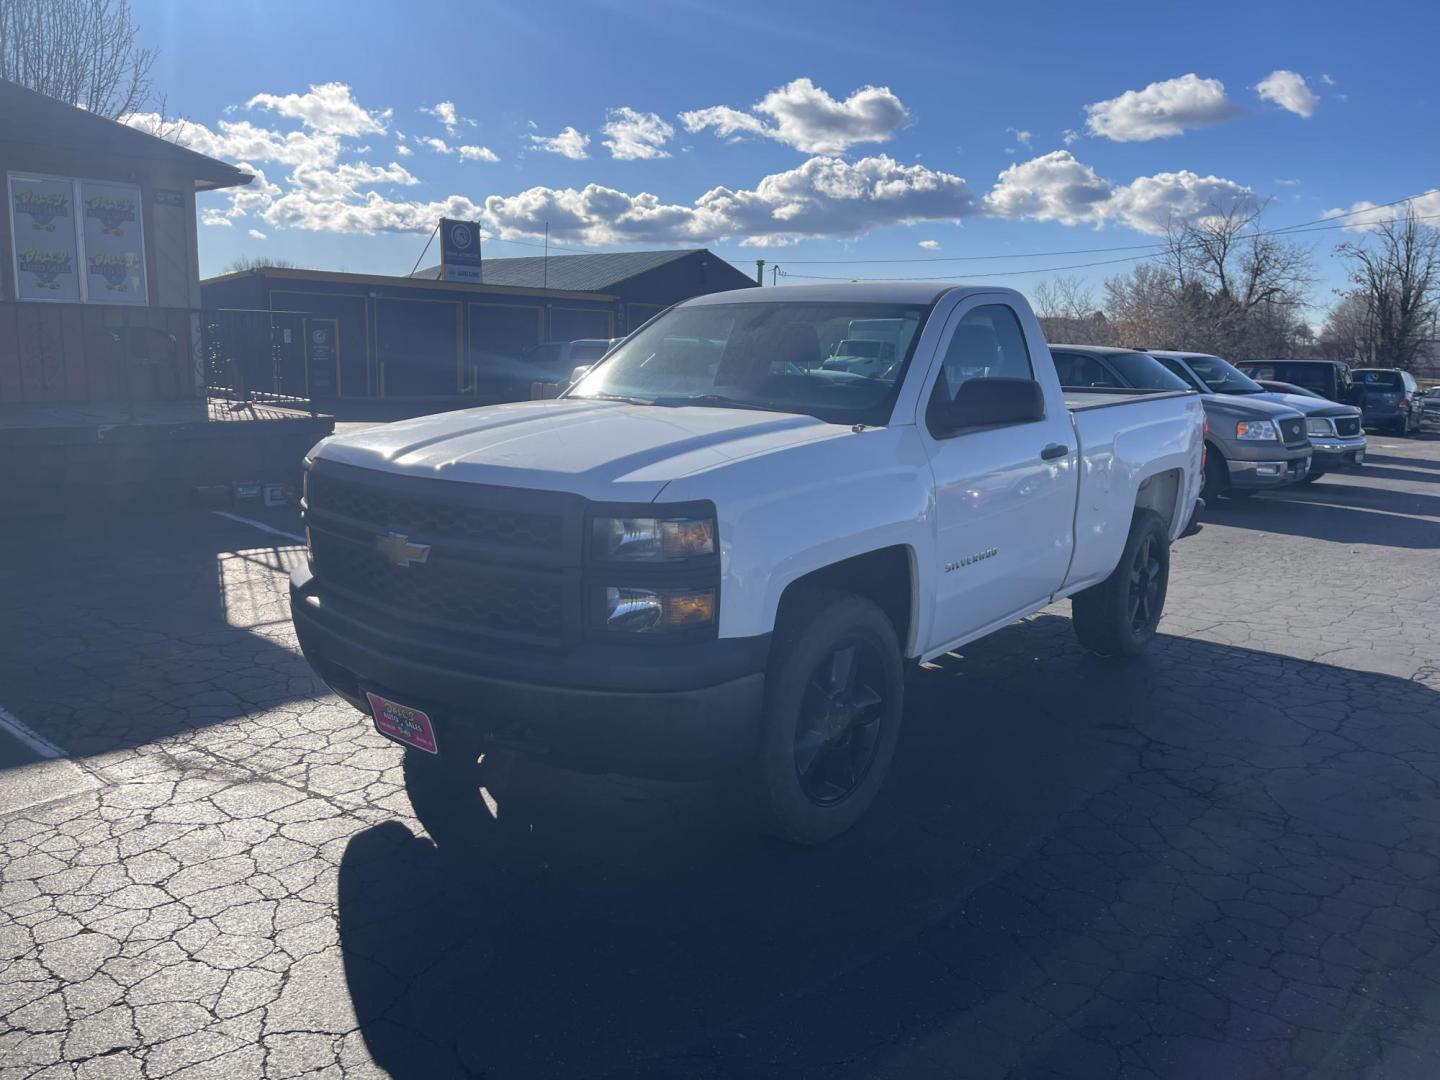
[715, 552]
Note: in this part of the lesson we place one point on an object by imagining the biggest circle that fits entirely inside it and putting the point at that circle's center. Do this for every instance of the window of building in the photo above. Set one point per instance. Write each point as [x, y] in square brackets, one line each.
[76, 241]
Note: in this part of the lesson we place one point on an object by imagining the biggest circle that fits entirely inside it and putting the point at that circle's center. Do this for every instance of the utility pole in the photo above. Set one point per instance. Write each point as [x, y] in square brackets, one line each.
[759, 271]
[775, 274]
[545, 263]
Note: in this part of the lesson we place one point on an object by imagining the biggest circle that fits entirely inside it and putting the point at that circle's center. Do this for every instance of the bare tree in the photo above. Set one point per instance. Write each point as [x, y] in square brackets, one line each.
[259, 262]
[1396, 272]
[82, 52]
[1068, 312]
[1349, 330]
[1239, 290]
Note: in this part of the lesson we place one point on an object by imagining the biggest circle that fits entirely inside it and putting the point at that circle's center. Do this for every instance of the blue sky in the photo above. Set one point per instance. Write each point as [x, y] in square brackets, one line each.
[797, 131]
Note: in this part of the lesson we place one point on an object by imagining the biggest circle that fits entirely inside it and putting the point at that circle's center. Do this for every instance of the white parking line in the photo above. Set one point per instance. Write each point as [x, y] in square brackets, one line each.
[29, 736]
[259, 525]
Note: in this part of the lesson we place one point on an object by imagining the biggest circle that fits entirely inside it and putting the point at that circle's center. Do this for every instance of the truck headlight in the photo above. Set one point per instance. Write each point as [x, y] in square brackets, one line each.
[656, 610]
[1319, 426]
[1256, 431]
[652, 539]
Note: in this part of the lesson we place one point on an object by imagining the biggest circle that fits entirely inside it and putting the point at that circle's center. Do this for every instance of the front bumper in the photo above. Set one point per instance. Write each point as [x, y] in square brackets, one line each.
[636, 709]
[1336, 452]
[1276, 469]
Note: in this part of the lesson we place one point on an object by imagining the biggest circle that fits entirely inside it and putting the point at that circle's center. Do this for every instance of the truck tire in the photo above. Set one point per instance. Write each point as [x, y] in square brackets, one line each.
[1312, 476]
[1118, 617]
[834, 698]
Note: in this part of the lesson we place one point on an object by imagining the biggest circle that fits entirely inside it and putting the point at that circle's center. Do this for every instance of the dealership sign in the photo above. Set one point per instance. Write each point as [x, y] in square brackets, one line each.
[459, 250]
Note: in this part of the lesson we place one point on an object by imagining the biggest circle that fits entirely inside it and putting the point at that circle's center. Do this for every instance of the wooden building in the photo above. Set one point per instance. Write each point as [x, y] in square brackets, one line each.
[99, 277]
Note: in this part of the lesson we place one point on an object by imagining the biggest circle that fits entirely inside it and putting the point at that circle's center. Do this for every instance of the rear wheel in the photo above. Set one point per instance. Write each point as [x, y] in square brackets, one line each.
[1118, 617]
[834, 697]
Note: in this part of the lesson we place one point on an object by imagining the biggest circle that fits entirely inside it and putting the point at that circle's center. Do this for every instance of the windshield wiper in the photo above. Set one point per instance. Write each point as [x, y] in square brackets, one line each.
[629, 399]
[711, 399]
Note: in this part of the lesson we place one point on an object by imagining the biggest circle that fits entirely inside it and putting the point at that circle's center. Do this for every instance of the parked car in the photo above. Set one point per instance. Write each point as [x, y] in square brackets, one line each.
[1390, 399]
[722, 558]
[1337, 433]
[1251, 444]
[1329, 378]
[1337, 439]
[1430, 402]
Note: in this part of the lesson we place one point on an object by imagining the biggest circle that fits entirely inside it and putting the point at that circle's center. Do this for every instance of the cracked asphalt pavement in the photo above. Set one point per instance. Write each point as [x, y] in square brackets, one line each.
[1220, 860]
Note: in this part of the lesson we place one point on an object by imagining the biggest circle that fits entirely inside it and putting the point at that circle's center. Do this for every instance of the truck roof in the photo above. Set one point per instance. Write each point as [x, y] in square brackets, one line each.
[878, 292]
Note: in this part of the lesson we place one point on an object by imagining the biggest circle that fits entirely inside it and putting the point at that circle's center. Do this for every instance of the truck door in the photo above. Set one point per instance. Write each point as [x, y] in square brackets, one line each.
[1004, 493]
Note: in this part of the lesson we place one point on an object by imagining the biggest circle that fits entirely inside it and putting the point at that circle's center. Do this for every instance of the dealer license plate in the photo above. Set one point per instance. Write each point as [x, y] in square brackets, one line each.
[403, 723]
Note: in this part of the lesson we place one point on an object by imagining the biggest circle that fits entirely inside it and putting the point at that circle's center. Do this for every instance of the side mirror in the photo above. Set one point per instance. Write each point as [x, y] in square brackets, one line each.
[987, 403]
[579, 373]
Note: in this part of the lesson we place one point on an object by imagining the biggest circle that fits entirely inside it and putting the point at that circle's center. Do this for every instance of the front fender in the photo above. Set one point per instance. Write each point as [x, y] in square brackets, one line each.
[789, 513]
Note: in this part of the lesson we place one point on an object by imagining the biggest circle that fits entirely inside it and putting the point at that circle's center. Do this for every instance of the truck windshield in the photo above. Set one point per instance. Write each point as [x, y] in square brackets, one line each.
[838, 362]
[1144, 372]
[1221, 377]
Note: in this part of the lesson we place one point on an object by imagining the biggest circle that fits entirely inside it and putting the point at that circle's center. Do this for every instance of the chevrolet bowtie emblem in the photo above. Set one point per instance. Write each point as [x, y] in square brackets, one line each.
[399, 550]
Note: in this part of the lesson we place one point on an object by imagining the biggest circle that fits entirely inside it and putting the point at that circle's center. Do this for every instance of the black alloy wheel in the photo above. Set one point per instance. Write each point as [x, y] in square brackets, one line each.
[1145, 585]
[838, 731]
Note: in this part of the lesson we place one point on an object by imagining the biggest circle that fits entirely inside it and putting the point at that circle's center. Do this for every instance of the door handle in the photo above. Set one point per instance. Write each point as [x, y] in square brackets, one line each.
[1054, 450]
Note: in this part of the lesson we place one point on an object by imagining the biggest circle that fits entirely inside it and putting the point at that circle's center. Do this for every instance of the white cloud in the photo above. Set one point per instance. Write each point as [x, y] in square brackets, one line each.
[1288, 90]
[327, 108]
[1160, 110]
[242, 140]
[1365, 215]
[808, 118]
[1328, 80]
[930, 245]
[256, 234]
[1057, 187]
[1022, 136]
[343, 180]
[215, 217]
[1287, 181]
[403, 150]
[824, 196]
[1070, 136]
[478, 153]
[439, 145]
[444, 111]
[635, 136]
[569, 143]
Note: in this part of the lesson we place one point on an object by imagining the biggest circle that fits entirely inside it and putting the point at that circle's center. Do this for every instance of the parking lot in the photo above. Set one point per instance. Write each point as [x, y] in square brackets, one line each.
[1221, 860]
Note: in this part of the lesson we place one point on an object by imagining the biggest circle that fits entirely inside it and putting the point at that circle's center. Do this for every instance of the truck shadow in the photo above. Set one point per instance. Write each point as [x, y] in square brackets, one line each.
[1074, 860]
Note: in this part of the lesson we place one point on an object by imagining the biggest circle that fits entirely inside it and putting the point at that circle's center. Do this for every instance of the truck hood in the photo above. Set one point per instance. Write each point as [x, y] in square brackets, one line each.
[1252, 406]
[1308, 405]
[604, 450]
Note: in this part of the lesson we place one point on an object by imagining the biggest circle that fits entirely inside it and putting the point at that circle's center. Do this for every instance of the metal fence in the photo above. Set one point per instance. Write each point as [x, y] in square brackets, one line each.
[254, 363]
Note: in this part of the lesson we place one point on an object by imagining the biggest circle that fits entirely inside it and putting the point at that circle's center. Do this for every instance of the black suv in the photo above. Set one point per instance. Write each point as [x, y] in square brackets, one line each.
[1329, 378]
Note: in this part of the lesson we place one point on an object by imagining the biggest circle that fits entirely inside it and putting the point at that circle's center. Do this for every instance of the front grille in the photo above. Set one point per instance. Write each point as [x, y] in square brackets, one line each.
[497, 563]
[1347, 425]
[435, 519]
[463, 595]
[1293, 432]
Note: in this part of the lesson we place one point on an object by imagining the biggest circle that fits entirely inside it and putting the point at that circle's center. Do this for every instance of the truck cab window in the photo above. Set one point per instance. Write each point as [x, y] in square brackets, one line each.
[1078, 370]
[988, 343]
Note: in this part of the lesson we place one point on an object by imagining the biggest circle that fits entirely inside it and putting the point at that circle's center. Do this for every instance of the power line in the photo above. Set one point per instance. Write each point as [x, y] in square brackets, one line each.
[1289, 230]
[1279, 230]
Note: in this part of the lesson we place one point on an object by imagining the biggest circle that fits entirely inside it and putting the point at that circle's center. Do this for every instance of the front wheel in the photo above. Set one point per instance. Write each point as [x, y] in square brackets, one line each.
[834, 696]
[1312, 476]
[1118, 617]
